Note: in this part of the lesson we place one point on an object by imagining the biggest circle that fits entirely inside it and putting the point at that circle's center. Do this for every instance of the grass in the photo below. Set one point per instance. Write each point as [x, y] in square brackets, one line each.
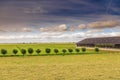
[84, 66]
[69, 67]
[43, 46]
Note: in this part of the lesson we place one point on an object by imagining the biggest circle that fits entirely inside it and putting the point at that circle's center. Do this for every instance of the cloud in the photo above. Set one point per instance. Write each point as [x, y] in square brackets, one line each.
[82, 26]
[16, 29]
[35, 10]
[52, 36]
[76, 28]
[62, 27]
[59, 28]
[103, 24]
[103, 34]
[1, 30]
[26, 29]
[94, 31]
[52, 11]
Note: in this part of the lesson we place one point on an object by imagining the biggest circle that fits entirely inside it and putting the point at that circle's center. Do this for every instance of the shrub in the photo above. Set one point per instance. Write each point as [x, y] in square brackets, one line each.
[23, 51]
[47, 50]
[30, 51]
[64, 51]
[70, 50]
[77, 50]
[15, 51]
[4, 51]
[56, 51]
[38, 51]
[83, 49]
[97, 49]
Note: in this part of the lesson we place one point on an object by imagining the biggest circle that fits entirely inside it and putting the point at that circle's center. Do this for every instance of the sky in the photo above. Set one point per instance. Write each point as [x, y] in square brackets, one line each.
[29, 21]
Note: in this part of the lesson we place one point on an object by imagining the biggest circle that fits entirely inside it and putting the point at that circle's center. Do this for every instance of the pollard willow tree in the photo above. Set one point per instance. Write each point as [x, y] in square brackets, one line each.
[70, 50]
[30, 51]
[83, 49]
[38, 51]
[47, 50]
[15, 51]
[77, 50]
[56, 51]
[3, 51]
[23, 51]
[64, 51]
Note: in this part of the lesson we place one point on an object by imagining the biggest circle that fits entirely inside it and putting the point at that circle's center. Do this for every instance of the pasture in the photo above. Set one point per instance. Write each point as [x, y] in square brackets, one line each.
[83, 66]
[43, 46]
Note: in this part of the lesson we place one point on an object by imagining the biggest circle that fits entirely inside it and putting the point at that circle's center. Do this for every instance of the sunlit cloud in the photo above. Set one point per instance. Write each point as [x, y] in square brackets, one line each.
[59, 28]
[27, 29]
[103, 24]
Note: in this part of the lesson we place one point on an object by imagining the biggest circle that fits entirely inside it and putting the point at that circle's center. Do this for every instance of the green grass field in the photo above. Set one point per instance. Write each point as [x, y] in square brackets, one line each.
[43, 46]
[87, 66]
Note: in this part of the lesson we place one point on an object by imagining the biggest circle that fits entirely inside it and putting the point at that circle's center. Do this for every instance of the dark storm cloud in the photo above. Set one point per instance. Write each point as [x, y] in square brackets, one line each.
[37, 12]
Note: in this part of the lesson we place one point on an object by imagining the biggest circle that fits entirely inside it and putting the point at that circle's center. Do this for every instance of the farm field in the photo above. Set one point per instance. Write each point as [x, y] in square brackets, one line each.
[104, 65]
[69, 67]
[43, 46]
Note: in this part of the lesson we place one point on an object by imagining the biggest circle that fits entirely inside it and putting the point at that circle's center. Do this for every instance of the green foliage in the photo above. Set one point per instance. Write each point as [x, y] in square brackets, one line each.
[56, 51]
[47, 50]
[23, 51]
[83, 49]
[4, 51]
[30, 50]
[64, 51]
[70, 50]
[77, 50]
[15, 51]
[97, 49]
[38, 51]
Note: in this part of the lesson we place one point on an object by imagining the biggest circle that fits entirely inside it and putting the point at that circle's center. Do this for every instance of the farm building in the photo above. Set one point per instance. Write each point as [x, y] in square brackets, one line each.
[110, 42]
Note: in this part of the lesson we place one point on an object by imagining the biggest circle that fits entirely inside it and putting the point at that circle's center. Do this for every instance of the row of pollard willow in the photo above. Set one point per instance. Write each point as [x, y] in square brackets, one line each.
[47, 50]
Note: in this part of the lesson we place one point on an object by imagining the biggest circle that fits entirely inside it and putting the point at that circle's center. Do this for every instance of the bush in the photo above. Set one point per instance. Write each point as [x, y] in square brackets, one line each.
[56, 51]
[4, 51]
[64, 51]
[70, 50]
[23, 51]
[47, 50]
[83, 49]
[30, 51]
[15, 51]
[77, 50]
[38, 51]
[97, 50]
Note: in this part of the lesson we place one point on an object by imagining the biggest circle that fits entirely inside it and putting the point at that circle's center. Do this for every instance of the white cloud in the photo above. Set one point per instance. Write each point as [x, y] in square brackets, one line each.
[59, 28]
[53, 36]
[27, 29]
[62, 27]
[94, 31]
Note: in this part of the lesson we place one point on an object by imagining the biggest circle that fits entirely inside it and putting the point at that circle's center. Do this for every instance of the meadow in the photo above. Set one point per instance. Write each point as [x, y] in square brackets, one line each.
[90, 65]
[43, 46]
